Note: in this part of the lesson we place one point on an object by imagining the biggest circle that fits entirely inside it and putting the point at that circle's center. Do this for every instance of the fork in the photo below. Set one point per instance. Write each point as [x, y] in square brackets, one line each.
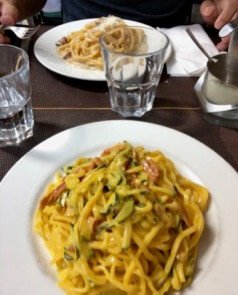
[20, 30]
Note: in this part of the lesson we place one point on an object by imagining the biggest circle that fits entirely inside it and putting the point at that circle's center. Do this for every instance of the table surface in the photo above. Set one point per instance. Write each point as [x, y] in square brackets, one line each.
[60, 103]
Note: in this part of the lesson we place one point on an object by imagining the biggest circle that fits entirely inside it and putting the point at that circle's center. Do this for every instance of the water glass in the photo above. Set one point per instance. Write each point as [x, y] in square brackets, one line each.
[16, 116]
[133, 62]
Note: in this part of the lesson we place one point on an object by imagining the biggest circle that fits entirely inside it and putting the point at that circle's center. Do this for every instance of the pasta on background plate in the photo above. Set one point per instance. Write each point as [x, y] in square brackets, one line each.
[125, 222]
[82, 47]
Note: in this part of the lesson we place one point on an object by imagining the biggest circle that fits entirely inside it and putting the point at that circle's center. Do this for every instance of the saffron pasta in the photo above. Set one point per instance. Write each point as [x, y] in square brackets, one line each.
[125, 222]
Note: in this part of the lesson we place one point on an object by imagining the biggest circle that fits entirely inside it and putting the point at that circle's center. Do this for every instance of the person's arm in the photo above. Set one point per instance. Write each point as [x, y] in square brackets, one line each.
[12, 11]
[219, 12]
[27, 8]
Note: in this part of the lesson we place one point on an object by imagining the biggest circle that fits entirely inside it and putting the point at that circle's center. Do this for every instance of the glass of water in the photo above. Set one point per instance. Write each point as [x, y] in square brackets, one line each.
[16, 116]
[133, 62]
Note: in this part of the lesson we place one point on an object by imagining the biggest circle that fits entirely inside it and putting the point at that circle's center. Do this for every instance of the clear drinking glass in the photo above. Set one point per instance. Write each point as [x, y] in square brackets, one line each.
[16, 116]
[133, 62]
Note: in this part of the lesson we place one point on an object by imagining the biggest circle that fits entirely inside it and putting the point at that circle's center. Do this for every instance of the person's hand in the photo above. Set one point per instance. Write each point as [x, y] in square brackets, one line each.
[219, 13]
[8, 16]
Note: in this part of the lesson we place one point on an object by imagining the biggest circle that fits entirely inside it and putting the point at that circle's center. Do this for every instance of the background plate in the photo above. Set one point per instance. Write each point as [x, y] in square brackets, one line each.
[45, 52]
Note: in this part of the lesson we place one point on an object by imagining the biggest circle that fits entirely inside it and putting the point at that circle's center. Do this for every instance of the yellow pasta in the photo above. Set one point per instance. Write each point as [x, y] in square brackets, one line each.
[83, 46]
[125, 222]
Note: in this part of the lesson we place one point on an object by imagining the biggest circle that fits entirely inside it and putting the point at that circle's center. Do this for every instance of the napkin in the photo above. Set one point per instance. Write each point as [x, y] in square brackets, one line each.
[186, 58]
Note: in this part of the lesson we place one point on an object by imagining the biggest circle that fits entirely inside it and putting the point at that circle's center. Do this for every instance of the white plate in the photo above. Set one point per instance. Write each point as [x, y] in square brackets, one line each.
[45, 52]
[24, 268]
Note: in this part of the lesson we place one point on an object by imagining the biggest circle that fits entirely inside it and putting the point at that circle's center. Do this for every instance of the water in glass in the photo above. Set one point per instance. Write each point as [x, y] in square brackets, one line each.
[16, 115]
